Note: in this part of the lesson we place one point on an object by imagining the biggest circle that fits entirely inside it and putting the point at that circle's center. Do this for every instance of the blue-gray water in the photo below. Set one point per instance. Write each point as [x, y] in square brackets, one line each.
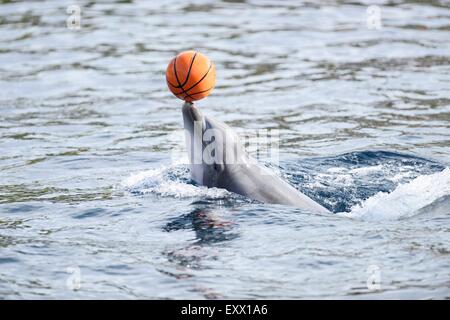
[93, 203]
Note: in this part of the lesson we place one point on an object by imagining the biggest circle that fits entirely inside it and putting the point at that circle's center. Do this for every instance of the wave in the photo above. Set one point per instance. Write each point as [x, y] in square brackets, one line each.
[369, 185]
[406, 200]
[171, 181]
[343, 181]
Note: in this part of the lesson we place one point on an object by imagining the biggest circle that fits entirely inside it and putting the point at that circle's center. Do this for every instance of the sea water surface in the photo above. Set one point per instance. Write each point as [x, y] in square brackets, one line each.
[96, 200]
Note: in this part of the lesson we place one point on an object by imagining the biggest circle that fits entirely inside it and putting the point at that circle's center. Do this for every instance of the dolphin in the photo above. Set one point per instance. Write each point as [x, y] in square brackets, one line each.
[217, 159]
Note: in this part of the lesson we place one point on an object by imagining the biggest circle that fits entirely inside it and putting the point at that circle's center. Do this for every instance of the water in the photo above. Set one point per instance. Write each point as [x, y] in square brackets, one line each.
[95, 203]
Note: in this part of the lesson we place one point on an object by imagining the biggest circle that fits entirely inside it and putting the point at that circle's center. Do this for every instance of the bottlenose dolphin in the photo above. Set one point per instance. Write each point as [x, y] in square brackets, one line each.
[218, 159]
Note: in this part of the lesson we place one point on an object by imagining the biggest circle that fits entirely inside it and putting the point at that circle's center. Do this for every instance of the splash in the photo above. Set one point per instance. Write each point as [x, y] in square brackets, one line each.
[169, 181]
[406, 200]
[362, 185]
[344, 181]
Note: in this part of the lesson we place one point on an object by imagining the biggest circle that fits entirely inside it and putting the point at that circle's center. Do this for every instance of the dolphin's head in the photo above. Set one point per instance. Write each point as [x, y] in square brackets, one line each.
[212, 147]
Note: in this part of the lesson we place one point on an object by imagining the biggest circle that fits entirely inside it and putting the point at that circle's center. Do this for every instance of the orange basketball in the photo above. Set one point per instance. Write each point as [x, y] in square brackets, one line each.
[191, 76]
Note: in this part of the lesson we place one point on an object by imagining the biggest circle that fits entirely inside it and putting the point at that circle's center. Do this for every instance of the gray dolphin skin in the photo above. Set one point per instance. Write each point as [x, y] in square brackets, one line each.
[218, 159]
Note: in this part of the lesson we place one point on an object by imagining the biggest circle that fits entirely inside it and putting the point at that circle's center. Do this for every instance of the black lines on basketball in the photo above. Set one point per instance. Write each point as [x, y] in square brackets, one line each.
[178, 80]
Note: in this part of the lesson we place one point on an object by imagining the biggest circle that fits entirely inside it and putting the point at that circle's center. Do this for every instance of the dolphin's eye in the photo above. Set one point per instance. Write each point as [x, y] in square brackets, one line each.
[218, 167]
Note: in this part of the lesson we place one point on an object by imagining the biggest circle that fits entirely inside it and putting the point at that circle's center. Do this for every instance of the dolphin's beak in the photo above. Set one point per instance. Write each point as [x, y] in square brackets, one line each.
[194, 124]
[191, 112]
[192, 116]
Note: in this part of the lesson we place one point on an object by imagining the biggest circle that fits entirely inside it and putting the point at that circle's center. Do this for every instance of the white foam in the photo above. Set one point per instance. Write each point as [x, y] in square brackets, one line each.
[367, 170]
[157, 181]
[400, 176]
[406, 200]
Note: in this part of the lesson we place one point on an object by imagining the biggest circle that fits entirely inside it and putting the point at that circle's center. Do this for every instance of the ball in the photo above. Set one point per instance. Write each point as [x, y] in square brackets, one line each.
[191, 76]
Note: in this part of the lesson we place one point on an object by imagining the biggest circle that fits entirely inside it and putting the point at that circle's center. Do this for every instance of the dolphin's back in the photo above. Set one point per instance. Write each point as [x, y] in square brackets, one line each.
[259, 183]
